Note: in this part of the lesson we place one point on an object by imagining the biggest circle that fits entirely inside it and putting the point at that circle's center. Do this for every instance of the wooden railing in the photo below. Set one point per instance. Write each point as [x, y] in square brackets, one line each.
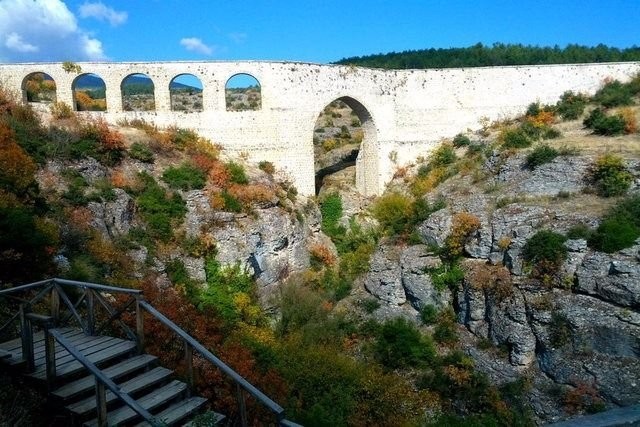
[88, 297]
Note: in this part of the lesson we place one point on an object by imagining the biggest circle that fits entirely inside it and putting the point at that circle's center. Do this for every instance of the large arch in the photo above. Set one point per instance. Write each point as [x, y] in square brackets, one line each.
[185, 91]
[38, 87]
[243, 92]
[362, 151]
[89, 93]
[138, 93]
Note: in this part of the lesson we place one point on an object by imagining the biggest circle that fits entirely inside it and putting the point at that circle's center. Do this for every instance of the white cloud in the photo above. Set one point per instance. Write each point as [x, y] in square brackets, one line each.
[44, 30]
[15, 42]
[102, 12]
[195, 44]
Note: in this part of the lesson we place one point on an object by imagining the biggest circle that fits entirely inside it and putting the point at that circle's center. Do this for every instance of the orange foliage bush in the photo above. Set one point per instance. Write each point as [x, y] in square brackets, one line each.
[219, 175]
[583, 397]
[322, 254]
[252, 193]
[543, 118]
[464, 225]
[16, 167]
[630, 120]
[492, 278]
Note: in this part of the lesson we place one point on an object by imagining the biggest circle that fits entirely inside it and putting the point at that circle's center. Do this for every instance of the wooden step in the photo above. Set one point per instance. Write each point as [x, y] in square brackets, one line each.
[15, 349]
[115, 372]
[4, 354]
[37, 336]
[99, 357]
[151, 401]
[133, 386]
[182, 410]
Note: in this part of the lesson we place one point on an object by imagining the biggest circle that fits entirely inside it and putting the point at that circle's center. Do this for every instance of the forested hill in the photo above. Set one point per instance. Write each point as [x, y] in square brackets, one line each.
[480, 55]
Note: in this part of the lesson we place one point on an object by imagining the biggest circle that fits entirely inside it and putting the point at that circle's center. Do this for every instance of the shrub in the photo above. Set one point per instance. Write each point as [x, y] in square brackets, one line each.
[610, 125]
[540, 155]
[614, 94]
[445, 331]
[159, 209]
[61, 110]
[594, 116]
[620, 228]
[267, 167]
[331, 210]
[571, 105]
[394, 211]
[610, 176]
[231, 203]
[399, 344]
[237, 173]
[443, 156]
[429, 314]
[463, 226]
[515, 138]
[461, 140]
[579, 231]
[630, 121]
[185, 177]
[141, 152]
[447, 276]
[545, 246]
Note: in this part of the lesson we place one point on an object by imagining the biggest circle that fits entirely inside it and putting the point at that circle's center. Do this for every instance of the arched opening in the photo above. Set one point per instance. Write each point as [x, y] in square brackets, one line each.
[344, 140]
[39, 87]
[186, 93]
[138, 93]
[242, 93]
[89, 93]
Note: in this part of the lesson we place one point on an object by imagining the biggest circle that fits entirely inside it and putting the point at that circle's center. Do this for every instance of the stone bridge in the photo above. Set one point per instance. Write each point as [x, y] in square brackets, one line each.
[404, 113]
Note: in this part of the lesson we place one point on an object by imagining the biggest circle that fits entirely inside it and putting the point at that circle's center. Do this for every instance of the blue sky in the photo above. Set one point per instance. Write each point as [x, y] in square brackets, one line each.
[315, 31]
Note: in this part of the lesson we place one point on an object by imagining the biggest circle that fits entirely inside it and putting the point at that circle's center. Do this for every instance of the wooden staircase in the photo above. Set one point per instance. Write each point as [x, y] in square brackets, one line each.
[102, 380]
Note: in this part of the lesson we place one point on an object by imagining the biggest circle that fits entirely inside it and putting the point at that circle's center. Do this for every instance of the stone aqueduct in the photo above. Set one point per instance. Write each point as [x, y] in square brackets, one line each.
[404, 112]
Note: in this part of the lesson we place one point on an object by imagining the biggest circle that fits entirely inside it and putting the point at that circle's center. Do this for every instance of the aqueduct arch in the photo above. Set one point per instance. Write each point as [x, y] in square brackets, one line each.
[38, 87]
[366, 162]
[404, 113]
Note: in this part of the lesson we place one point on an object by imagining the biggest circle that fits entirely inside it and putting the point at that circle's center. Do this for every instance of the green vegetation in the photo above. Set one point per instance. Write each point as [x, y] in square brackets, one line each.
[498, 54]
[429, 314]
[571, 105]
[141, 152]
[237, 173]
[620, 228]
[603, 124]
[545, 246]
[540, 155]
[185, 177]
[447, 276]
[159, 209]
[461, 140]
[399, 214]
[614, 94]
[610, 176]
[399, 344]
[515, 138]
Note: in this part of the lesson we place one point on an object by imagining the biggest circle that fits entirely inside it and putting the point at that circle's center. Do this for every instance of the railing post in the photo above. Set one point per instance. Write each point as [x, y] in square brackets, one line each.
[26, 334]
[101, 403]
[242, 407]
[50, 356]
[139, 324]
[55, 302]
[188, 359]
[91, 316]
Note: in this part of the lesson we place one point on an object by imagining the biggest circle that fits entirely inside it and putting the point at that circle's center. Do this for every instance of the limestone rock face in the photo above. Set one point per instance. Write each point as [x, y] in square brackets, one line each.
[591, 341]
[384, 279]
[115, 217]
[269, 247]
[435, 229]
[415, 261]
[612, 277]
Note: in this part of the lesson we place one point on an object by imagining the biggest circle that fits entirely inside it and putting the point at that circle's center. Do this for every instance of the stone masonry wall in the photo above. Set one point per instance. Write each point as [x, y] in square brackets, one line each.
[410, 110]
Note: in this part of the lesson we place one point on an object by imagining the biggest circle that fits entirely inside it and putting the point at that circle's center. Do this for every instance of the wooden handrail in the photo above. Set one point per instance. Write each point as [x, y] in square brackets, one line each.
[233, 375]
[83, 285]
[103, 379]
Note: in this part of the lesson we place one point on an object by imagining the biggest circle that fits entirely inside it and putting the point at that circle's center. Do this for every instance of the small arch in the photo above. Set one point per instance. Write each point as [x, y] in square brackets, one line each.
[185, 91]
[89, 93]
[39, 87]
[138, 93]
[242, 92]
[345, 129]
